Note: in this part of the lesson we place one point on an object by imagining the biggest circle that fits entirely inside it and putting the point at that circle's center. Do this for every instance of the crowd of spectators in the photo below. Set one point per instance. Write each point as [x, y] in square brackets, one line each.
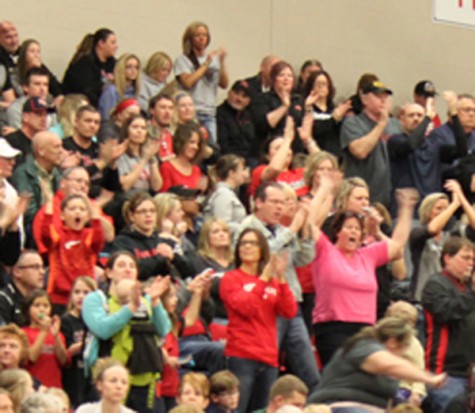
[162, 251]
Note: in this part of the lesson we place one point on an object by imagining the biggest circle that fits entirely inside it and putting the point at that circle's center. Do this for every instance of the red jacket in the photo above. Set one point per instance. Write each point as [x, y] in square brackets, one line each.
[71, 254]
[253, 306]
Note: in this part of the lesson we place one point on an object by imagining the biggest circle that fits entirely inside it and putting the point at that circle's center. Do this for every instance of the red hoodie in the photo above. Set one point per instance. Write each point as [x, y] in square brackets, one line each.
[253, 306]
[71, 254]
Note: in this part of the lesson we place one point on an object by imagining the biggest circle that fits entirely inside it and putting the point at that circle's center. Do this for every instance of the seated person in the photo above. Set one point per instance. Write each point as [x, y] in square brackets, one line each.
[33, 120]
[89, 73]
[35, 85]
[224, 393]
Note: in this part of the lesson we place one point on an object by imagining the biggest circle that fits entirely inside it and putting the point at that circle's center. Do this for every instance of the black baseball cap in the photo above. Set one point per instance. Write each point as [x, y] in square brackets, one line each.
[377, 87]
[425, 88]
[37, 105]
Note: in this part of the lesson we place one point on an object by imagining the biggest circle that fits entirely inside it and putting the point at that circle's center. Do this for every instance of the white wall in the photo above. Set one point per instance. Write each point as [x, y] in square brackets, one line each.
[395, 39]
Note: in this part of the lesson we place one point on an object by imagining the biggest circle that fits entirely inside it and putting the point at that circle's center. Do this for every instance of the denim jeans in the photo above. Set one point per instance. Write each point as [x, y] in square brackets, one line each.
[295, 342]
[209, 122]
[255, 381]
[207, 355]
[439, 399]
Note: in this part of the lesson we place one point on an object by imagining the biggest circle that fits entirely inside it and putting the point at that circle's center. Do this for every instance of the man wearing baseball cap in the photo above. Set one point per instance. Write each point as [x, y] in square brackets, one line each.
[33, 120]
[235, 127]
[424, 91]
[363, 141]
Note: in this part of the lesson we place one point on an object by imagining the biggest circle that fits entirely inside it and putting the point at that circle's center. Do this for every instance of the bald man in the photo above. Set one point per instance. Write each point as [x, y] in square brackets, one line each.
[40, 170]
[261, 82]
[9, 44]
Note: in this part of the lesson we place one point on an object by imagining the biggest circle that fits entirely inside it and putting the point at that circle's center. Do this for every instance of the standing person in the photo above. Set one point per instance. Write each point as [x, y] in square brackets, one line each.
[47, 351]
[73, 328]
[449, 306]
[128, 331]
[112, 382]
[154, 77]
[254, 295]
[424, 91]
[201, 72]
[93, 69]
[73, 247]
[363, 141]
[293, 337]
[319, 100]
[344, 272]
[271, 109]
[236, 133]
[126, 84]
[261, 82]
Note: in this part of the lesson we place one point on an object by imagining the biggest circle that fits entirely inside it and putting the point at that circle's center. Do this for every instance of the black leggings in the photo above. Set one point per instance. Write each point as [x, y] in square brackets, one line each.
[330, 336]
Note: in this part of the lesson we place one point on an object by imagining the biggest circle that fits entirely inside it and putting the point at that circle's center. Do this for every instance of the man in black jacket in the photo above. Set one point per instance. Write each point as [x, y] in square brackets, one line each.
[449, 304]
[235, 127]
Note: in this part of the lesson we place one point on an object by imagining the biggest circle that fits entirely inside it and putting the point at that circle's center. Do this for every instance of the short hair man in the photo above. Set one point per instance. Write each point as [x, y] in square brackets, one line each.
[236, 134]
[42, 166]
[447, 144]
[363, 141]
[9, 44]
[293, 336]
[27, 276]
[288, 390]
[13, 346]
[414, 121]
[161, 110]
[36, 85]
[449, 305]
[33, 120]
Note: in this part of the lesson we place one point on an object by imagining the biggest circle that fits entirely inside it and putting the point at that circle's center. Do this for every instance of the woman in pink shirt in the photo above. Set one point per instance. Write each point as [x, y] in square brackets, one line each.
[344, 272]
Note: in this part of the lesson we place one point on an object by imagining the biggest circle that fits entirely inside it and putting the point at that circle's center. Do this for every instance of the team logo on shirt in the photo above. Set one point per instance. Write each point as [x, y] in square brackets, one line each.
[269, 291]
[249, 287]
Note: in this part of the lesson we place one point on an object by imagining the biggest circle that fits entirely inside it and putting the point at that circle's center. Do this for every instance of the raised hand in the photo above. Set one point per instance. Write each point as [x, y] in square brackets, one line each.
[407, 197]
[451, 98]
[159, 286]
[430, 108]
[341, 109]
[280, 265]
[289, 129]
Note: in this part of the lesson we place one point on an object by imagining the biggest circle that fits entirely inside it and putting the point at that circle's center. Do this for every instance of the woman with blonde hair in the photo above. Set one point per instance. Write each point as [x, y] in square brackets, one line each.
[18, 383]
[426, 240]
[363, 375]
[126, 84]
[112, 382]
[67, 113]
[316, 165]
[155, 74]
[201, 72]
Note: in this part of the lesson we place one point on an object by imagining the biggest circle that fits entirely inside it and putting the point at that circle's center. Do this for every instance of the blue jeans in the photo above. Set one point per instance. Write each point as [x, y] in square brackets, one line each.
[207, 355]
[255, 381]
[209, 122]
[440, 398]
[295, 342]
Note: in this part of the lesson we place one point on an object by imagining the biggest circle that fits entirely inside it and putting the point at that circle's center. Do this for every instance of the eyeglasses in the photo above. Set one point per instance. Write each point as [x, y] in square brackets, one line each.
[37, 267]
[250, 243]
[79, 180]
[145, 211]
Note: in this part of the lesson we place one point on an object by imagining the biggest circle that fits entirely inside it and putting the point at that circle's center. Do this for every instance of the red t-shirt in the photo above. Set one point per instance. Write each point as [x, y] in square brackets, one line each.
[47, 368]
[253, 306]
[170, 376]
[293, 177]
[172, 177]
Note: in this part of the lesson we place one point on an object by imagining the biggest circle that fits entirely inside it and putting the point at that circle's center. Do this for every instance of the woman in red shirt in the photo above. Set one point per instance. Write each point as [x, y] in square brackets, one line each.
[182, 170]
[254, 294]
